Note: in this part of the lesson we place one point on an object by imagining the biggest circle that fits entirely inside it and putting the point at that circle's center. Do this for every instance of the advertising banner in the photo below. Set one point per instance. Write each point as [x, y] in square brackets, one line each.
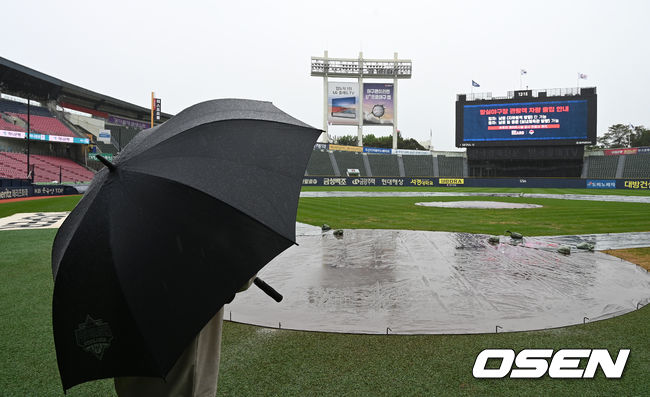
[616, 152]
[15, 192]
[36, 190]
[378, 106]
[12, 134]
[107, 156]
[367, 181]
[104, 136]
[637, 184]
[345, 148]
[643, 150]
[469, 182]
[411, 152]
[157, 108]
[128, 123]
[343, 103]
[43, 137]
[451, 181]
[601, 184]
[376, 150]
[320, 146]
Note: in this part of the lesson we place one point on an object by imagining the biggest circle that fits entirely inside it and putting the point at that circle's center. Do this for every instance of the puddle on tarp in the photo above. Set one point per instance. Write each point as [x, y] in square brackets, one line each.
[419, 282]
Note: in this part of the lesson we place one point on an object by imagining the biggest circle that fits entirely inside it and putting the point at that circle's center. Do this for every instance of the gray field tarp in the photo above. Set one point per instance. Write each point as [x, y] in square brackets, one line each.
[421, 282]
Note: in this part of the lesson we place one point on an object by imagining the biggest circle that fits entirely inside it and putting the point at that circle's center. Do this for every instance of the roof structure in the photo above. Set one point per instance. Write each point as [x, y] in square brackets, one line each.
[19, 80]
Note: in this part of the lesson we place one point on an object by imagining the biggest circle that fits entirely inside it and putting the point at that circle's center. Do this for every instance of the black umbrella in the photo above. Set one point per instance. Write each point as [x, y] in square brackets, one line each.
[189, 211]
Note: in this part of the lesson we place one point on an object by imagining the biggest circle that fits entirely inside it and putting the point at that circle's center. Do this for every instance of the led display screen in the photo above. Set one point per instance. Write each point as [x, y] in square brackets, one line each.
[526, 122]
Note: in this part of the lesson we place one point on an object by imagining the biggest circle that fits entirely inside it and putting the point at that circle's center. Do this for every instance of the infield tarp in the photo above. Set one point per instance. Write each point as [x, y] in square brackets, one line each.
[421, 282]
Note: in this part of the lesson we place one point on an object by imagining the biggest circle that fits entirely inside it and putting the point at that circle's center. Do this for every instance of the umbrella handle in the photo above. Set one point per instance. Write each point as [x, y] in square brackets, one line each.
[267, 289]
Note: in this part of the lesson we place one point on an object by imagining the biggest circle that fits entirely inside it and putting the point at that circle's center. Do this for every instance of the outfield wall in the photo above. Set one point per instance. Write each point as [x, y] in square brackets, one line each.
[19, 188]
[10, 190]
[566, 183]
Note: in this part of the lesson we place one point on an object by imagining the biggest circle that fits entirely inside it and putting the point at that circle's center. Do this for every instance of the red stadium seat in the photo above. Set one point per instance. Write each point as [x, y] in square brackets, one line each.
[46, 168]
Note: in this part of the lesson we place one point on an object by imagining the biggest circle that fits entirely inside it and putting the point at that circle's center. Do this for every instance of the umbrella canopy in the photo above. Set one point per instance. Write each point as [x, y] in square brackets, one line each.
[189, 211]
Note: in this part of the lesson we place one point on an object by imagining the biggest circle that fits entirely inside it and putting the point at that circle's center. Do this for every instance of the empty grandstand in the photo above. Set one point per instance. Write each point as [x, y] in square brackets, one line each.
[350, 160]
[64, 121]
[450, 166]
[40, 119]
[45, 168]
[602, 167]
[383, 165]
[320, 164]
[636, 166]
[10, 125]
[418, 165]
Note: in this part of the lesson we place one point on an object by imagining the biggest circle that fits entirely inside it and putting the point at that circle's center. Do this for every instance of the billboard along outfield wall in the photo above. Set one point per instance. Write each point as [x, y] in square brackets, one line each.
[567, 183]
[12, 192]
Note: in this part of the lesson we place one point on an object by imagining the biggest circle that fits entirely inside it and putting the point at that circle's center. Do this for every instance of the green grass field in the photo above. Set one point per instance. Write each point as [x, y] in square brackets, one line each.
[621, 192]
[266, 362]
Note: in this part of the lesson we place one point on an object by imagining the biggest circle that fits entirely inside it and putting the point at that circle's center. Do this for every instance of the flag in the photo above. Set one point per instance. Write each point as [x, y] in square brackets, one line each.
[475, 84]
[157, 108]
[524, 71]
[582, 76]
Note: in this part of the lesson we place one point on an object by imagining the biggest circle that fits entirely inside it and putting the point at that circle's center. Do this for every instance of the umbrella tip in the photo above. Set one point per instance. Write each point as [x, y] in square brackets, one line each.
[108, 164]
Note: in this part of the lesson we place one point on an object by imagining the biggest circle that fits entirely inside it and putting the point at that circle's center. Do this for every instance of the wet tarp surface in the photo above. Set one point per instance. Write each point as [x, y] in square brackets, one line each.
[473, 204]
[420, 282]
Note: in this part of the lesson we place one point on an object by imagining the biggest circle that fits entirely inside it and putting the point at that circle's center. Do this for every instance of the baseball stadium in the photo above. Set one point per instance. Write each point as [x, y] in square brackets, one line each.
[407, 264]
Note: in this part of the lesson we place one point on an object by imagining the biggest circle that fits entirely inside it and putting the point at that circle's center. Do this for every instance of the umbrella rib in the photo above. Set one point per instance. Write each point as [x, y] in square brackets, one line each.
[160, 129]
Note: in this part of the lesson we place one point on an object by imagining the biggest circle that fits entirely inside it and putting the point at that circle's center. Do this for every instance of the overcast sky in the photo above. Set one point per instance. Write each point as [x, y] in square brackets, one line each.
[191, 51]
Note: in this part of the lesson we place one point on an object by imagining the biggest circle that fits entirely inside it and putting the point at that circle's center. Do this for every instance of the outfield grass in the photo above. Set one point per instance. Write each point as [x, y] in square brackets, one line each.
[259, 361]
[621, 192]
[27, 359]
[55, 204]
[555, 218]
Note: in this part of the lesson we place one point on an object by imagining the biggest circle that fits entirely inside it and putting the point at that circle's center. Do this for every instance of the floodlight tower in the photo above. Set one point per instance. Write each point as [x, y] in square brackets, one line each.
[361, 69]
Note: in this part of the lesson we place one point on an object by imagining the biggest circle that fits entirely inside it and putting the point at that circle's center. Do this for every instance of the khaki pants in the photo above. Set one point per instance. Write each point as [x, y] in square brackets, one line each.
[195, 374]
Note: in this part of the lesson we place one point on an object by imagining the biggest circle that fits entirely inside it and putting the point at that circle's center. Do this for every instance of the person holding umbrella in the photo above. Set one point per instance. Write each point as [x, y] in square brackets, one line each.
[196, 373]
[189, 212]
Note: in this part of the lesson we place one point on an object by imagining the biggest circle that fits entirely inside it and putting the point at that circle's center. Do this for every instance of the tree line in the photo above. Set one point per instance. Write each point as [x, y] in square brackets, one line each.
[371, 140]
[622, 136]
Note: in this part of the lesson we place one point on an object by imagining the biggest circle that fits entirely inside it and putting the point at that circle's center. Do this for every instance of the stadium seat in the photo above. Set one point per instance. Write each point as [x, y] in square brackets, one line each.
[637, 166]
[450, 166]
[383, 164]
[320, 164]
[7, 126]
[350, 160]
[602, 167]
[46, 168]
[45, 125]
[417, 165]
